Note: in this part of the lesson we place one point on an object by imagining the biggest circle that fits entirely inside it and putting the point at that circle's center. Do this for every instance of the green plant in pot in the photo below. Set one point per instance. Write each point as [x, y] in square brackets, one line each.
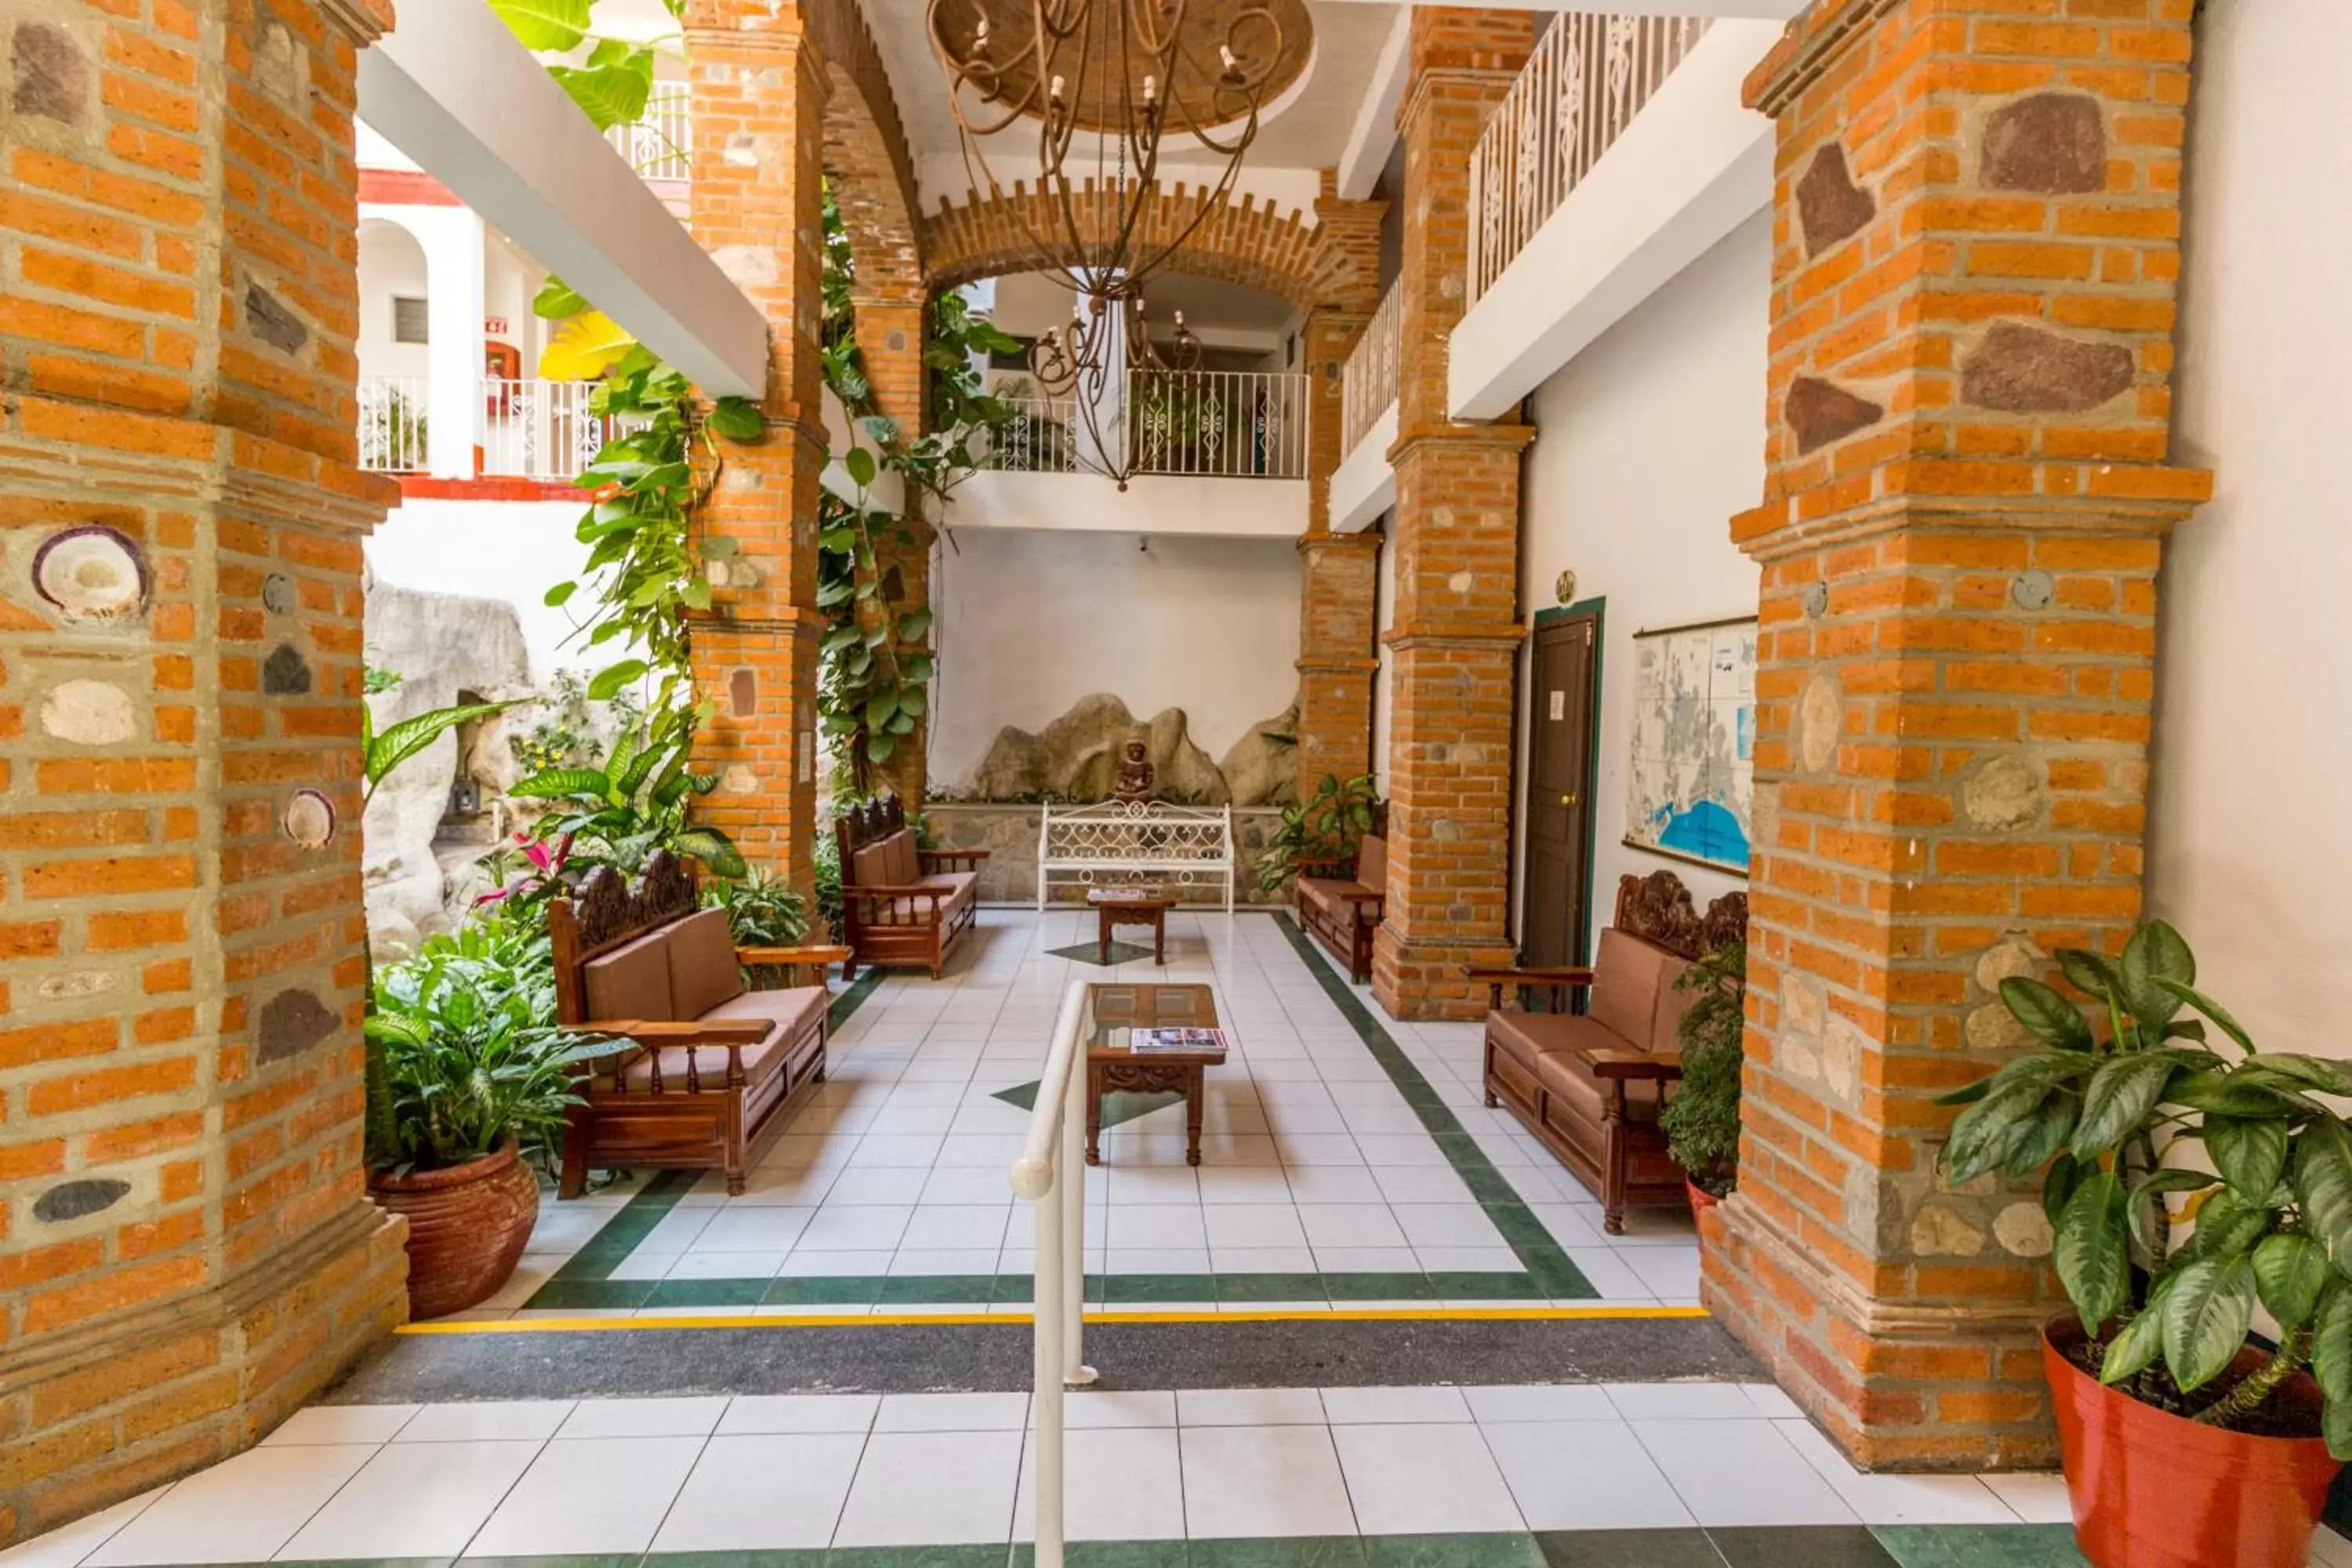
[762, 910]
[473, 1076]
[2189, 1443]
[1318, 832]
[1702, 1120]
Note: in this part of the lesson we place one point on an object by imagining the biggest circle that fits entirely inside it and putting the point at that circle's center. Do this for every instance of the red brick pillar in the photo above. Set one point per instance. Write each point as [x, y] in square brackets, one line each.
[1966, 501]
[1339, 574]
[1455, 633]
[757, 103]
[890, 332]
[186, 1247]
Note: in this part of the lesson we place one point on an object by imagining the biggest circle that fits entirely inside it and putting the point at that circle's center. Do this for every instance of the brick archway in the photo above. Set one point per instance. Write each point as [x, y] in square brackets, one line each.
[866, 160]
[1240, 242]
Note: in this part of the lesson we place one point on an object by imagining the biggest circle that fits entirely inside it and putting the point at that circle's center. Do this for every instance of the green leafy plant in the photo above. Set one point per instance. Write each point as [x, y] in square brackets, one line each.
[762, 910]
[571, 729]
[826, 867]
[1321, 830]
[636, 803]
[1701, 1121]
[468, 1059]
[2102, 1109]
[380, 752]
[373, 676]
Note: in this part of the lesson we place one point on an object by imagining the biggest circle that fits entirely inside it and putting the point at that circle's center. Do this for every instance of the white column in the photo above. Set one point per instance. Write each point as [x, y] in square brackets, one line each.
[452, 240]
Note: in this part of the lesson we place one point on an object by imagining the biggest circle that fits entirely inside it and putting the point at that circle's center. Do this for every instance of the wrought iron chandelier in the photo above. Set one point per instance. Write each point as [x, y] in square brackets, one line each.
[1108, 82]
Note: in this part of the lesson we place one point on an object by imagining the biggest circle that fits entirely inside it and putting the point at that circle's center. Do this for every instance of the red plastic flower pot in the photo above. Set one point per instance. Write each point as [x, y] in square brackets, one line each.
[2151, 1489]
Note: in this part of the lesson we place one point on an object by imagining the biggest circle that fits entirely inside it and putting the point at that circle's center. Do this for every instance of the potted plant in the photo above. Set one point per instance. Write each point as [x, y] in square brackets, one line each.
[2187, 1442]
[762, 910]
[1702, 1120]
[471, 1077]
[1320, 831]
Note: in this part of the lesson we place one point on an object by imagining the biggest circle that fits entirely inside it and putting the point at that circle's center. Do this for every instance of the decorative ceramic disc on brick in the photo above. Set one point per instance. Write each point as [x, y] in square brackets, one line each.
[309, 819]
[91, 573]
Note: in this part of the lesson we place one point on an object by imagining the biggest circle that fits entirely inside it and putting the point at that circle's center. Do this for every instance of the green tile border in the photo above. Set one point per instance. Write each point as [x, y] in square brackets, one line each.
[1546, 1261]
[585, 1283]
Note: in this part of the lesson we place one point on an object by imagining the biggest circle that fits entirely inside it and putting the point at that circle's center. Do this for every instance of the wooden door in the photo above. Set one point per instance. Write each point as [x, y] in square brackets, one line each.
[1563, 709]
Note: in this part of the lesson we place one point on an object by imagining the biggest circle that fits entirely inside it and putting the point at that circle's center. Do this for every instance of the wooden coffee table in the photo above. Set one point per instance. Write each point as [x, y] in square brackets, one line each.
[1118, 907]
[1112, 1008]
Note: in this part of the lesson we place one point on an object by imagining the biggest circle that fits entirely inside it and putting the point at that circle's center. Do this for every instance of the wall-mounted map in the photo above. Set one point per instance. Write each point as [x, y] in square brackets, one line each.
[1690, 790]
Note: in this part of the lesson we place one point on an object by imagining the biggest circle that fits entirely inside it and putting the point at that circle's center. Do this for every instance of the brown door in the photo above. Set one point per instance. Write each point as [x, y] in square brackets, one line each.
[1561, 719]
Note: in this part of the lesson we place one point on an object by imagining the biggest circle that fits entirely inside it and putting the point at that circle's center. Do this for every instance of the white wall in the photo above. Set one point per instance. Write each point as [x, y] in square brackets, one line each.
[2251, 833]
[493, 549]
[1645, 446]
[1029, 621]
[391, 262]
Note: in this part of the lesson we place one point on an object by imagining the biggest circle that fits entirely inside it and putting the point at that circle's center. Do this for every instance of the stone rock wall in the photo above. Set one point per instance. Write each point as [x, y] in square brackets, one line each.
[1077, 757]
[442, 646]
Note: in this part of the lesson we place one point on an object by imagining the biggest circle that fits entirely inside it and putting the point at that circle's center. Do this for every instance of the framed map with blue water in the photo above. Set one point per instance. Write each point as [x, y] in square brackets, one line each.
[1690, 787]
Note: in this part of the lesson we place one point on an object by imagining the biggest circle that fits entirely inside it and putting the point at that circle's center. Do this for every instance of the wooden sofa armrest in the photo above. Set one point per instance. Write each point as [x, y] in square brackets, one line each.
[671, 1032]
[975, 855]
[892, 890]
[1624, 1065]
[1558, 978]
[793, 957]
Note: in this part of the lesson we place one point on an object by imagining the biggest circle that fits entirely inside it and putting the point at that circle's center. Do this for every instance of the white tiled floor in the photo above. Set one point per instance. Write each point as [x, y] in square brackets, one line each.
[1313, 1161]
[675, 1475]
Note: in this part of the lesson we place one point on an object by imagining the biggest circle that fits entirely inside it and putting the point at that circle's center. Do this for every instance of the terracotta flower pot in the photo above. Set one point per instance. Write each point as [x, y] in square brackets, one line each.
[466, 1227]
[1701, 1200]
[2152, 1490]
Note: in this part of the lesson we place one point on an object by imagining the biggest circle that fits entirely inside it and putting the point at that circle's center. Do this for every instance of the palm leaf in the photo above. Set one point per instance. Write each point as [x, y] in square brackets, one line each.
[403, 740]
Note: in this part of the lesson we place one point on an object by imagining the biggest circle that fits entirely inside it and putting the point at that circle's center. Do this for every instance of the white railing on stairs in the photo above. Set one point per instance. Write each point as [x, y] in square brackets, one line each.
[1587, 79]
[658, 142]
[1368, 383]
[1050, 1177]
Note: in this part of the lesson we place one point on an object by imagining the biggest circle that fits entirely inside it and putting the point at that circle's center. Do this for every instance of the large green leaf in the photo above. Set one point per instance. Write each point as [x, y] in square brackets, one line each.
[2045, 1014]
[1984, 1133]
[562, 784]
[2135, 1348]
[2089, 973]
[2229, 1224]
[2090, 1250]
[2296, 1070]
[2209, 1007]
[713, 848]
[738, 419]
[2331, 1344]
[614, 677]
[544, 25]
[2336, 1428]
[2155, 953]
[2206, 1315]
[2289, 1273]
[2249, 1152]
[2118, 1098]
[608, 95]
[2041, 1136]
[393, 746]
[558, 301]
[2323, 1187]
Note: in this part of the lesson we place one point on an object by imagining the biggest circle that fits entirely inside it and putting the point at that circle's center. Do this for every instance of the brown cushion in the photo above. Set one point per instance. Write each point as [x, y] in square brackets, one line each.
[702, 969]
[963, 888]
[870, 867]
[905, 868]
[1565, 1077]
[710, 1061]
[1337, 900]
[1528, 1036]
[1673, 1001]
[632, 981]
[1372, 863]
[794, 1006]
[1625, 986]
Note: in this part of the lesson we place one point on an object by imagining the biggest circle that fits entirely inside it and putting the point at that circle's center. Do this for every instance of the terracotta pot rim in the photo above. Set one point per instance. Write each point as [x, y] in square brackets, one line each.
[475, 1170]
[2066, 1327]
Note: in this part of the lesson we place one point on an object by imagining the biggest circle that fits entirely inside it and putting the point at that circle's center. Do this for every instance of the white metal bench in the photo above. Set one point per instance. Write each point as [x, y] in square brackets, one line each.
[1078, 846]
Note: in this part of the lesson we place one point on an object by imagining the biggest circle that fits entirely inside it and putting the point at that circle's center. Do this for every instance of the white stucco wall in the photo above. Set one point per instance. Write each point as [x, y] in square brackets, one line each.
[2250, 831]
[504, 550]
[1032, 620]
[1647, 444]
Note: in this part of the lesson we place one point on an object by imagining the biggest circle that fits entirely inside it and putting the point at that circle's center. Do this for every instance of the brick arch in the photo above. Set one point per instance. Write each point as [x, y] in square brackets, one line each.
[867, 159]
[1238, 242]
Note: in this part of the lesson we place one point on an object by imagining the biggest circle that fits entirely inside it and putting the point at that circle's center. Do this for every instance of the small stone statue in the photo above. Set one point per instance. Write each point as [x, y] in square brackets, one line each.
[1135, 775]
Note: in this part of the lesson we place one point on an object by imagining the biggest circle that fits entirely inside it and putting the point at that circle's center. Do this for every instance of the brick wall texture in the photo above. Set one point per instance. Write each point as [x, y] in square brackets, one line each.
[186, 1250]
[1976, 253]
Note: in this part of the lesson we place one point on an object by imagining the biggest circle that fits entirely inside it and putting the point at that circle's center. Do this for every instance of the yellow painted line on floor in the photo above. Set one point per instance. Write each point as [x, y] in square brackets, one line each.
[1023, 1319]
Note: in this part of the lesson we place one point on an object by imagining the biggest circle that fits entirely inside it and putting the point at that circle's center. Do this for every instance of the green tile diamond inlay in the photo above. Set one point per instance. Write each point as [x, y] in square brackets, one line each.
[1091, 953]
[1120, 1105]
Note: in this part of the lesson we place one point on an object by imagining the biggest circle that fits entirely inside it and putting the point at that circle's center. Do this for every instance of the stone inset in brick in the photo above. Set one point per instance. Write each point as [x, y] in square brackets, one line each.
[291, 1023]
[91, 573]
[76, 1200]
[1830, 205]
[89, 713]
[52, 78]
[2055, 143]
[272, 322]
[2019, 368]
[284, 673]
[1820, 412]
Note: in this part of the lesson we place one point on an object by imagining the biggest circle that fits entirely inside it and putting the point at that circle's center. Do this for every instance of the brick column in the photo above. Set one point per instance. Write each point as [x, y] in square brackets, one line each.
[1456, 635]
[1966, 501]
[1339, 574]
[757, 95]
[890, 331]
[186, 1248]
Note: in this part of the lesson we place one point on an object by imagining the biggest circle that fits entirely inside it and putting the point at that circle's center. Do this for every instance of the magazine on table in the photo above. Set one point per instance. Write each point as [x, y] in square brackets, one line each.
[1174, 1042]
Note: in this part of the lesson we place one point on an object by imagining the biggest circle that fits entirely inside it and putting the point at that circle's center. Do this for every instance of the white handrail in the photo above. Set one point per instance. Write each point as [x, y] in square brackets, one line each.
[1051, 1175]
[1368, 383]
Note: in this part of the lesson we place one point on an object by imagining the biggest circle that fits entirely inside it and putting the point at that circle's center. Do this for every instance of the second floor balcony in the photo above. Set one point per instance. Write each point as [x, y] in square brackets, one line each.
[519, 428]
[1207, 424]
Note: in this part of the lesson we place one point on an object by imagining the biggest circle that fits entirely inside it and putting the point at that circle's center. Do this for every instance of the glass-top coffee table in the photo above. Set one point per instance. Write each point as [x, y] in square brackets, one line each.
[1112, 1010]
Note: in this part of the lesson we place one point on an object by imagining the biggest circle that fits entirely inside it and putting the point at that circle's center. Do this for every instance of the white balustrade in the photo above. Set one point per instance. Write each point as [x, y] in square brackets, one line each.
[1588, 78]
[391, 423]
[1050, 1177]
[1368, 383]
[540, 429]
[1041, 438]
[658, 143]
[1218, 423]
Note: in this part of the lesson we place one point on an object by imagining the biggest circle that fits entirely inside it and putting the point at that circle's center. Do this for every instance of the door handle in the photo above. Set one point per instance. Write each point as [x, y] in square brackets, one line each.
[1567, 800]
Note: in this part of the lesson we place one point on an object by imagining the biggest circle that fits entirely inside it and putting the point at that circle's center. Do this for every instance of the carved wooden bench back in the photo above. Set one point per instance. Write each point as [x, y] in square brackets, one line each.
[608, 910]
[1658, 909]
[869, 824]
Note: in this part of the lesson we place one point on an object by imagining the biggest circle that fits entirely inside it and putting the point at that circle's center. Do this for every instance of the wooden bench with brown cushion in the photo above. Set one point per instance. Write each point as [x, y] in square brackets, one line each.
[1341, 904]
[901, 904]
[1591, 1084]
[715, 1063]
